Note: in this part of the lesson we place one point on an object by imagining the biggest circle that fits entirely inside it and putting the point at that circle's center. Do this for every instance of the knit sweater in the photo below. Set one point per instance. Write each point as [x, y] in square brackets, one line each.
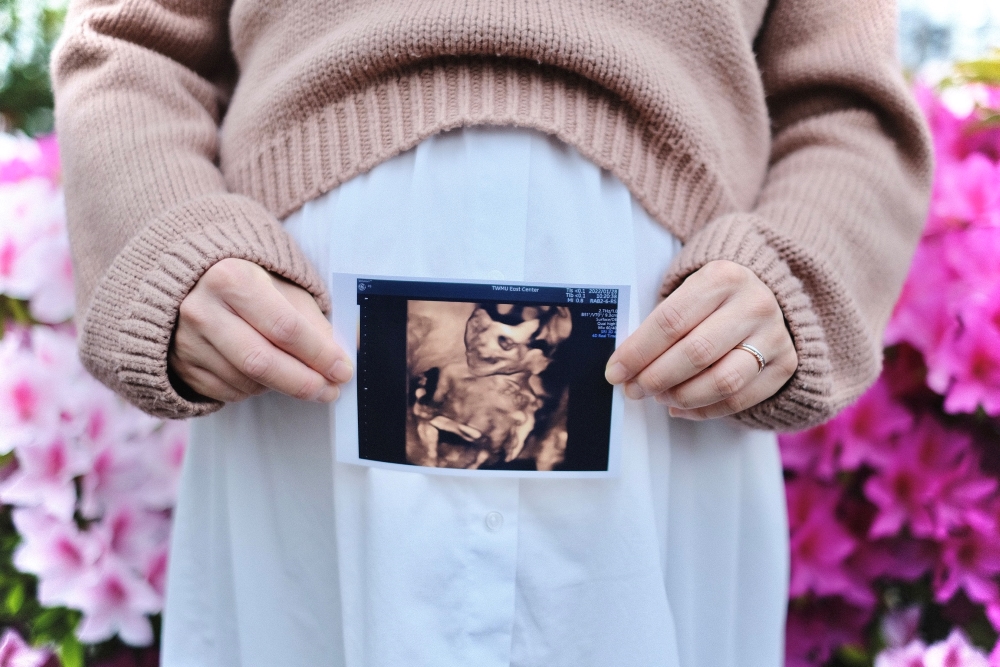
[778, 135]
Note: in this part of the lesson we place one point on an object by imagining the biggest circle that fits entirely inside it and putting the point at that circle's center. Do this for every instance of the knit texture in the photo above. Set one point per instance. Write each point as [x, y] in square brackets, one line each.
[777, 135]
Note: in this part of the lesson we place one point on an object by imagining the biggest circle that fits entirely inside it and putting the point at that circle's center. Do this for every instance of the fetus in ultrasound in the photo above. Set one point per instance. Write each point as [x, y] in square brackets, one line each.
[476, 385]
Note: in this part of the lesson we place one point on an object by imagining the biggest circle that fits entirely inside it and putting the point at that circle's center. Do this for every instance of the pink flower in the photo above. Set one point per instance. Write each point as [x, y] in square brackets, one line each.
[962, 498]
[45, 476]
[28, 407]
[15, 652]
[163, 453]
[817, 627]
[820, 545]
[868, 427]
[115, 600]
[955, 651]
[922, 316]
[970, 559]
[906, 488]
[814, 451]
[22, 157]
[156, 570]
[967, 367]
[48, 259]
[899, 558]
[56, 551]
[33, 210]
[966, 193]
[911, 655]
[134, 535]
[863, 433]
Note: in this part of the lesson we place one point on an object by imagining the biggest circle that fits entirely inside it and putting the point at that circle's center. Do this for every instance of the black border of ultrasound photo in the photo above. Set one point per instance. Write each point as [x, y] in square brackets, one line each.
[370, 417]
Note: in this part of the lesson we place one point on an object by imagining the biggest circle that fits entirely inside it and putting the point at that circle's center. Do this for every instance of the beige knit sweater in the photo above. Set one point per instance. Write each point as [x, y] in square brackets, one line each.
[777, 135]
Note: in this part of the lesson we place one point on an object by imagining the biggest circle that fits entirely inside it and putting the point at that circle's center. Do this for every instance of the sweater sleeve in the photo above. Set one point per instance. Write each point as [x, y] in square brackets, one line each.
[140, 87]
[843, 203]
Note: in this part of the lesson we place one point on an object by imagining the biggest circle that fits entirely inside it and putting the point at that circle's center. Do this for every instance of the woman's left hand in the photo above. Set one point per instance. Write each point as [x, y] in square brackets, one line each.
[687, 354]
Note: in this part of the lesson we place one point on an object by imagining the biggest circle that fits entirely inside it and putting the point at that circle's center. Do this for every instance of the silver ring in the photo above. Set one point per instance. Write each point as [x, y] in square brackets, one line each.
[761, 362]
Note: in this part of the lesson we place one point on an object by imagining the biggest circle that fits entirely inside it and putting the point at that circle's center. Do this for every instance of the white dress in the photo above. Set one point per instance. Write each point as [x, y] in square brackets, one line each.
[282, 557]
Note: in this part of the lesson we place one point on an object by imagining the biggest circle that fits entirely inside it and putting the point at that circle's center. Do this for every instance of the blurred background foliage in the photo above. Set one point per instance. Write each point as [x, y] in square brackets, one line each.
[28, 31]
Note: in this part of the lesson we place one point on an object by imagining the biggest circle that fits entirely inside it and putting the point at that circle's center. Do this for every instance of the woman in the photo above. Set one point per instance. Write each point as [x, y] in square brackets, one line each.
[775, 140]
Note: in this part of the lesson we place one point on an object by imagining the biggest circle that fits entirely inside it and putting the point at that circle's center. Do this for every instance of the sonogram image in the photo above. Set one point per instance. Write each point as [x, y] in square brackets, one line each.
[478, 396]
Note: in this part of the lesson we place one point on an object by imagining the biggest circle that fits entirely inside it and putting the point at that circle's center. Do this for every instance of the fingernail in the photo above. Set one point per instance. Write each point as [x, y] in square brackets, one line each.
[329, 394]
[634, 391]
[616, 373]
[341, 371]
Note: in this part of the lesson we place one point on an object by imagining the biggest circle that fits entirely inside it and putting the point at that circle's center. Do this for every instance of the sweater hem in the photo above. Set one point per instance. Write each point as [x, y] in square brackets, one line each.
[367, 127]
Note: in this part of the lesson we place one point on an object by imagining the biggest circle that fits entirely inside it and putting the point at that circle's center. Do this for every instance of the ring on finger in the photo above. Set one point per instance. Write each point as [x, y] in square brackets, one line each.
[761, 361]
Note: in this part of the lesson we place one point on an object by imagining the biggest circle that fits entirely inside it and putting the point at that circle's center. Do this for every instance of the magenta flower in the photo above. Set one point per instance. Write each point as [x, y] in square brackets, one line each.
[967, 367]
[922, 316]
[868, 427]
[15, 652]
[820, 544]
[22, 157]
[970, 560]
[966, 193]
[115, 600]
[899, 558]
[817, 627]
[814, 451]
[907, 487]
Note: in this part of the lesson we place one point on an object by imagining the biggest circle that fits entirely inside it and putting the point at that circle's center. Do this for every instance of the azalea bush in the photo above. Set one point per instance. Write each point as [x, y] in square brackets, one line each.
[894, 506]
[87, 482]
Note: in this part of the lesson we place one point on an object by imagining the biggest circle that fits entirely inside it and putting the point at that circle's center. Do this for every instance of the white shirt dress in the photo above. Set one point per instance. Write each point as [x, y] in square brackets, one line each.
[280, 556]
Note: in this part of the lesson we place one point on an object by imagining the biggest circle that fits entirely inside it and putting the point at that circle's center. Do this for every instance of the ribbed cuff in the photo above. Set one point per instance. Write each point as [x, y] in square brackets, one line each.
[806, 399]
[126, 332]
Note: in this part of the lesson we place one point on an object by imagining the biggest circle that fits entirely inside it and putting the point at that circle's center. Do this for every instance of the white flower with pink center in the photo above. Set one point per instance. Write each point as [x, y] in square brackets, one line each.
[56, 551]
[15, 652]
[115, 600]
[45, 476]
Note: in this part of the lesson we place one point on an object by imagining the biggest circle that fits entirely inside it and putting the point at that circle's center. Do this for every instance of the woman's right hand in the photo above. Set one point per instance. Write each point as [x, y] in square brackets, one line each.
[243, 330]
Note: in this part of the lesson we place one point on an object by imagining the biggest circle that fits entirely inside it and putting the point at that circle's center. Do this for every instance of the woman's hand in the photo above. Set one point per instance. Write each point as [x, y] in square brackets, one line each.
[243, 330]
[685, 353]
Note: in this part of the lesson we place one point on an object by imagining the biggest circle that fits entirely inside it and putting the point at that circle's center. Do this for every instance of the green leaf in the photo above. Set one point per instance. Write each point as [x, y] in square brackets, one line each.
[71, 652]
[15, 599]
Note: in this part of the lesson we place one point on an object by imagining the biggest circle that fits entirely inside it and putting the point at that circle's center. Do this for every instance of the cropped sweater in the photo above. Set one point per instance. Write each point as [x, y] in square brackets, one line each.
[779, 135]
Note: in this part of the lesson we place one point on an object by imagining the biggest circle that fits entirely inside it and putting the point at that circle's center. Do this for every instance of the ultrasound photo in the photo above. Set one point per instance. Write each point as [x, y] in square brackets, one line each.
[484, 377]
[476, 392]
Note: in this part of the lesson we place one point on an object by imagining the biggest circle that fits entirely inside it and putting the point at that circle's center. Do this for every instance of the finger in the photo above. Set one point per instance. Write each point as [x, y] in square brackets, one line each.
[774, 376]
[256, 357]
[754, 393]
[703, 346]
[208, 384]
[686, 307]
[724, 379]
[190, 348]
[260, 302]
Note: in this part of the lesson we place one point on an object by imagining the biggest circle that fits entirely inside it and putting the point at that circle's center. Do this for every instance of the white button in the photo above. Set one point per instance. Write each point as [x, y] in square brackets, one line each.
[494, 521]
